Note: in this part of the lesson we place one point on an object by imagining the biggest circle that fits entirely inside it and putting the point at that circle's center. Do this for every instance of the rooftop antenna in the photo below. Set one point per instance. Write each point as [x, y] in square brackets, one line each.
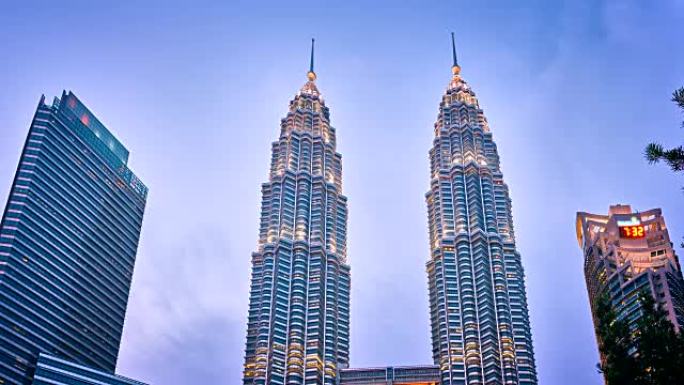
[311, 75]
[455, 69]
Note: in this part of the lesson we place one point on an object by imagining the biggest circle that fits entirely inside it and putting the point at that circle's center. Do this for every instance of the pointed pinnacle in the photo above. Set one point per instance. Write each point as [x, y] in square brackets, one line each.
[453, 50]
[311, 64]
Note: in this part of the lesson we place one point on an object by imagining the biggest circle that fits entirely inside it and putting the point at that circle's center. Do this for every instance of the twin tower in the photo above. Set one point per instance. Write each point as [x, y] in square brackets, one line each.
[299, 308]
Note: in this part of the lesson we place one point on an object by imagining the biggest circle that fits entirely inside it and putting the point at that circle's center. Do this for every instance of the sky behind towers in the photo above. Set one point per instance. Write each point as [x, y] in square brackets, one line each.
[572, 90]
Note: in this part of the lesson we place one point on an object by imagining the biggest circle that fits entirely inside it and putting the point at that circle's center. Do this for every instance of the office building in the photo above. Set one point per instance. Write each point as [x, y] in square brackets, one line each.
[68, 241]
[627, 253]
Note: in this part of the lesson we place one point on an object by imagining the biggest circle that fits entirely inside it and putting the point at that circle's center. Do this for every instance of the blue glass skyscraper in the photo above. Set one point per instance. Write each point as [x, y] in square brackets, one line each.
[298, 321]
[68, 241]
[478, 305]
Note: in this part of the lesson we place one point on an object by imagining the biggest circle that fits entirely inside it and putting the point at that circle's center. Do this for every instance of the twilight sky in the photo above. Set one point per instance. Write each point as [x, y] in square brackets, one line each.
[572, 91]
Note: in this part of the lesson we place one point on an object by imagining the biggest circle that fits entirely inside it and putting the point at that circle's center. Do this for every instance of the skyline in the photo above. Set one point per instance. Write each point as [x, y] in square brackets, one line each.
[373, 96]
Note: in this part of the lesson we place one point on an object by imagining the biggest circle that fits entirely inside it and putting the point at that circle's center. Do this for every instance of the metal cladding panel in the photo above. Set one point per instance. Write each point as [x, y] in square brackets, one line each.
[402, 375]
[478, 305]
[298, 320]
[68, 242]
[52, 370]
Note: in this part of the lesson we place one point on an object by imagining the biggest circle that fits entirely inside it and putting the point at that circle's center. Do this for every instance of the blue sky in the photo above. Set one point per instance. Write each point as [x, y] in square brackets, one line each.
[573, 91]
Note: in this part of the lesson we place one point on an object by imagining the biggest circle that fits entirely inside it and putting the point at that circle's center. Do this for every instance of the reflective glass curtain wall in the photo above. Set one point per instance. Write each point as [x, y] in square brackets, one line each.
[68, 241]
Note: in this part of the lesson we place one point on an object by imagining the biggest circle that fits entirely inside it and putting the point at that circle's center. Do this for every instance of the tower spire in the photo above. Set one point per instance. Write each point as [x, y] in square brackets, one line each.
[455, 68]
[311, 75]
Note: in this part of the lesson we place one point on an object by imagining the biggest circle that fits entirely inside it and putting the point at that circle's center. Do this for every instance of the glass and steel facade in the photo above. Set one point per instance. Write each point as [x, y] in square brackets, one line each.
[298, 320]
[398, 375]
[627, 253]
[478, 305]
[68, 241]
[52, 370]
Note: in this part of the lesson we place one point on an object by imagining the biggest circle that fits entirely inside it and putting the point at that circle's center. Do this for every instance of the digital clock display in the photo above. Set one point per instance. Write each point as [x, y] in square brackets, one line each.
[634, 231]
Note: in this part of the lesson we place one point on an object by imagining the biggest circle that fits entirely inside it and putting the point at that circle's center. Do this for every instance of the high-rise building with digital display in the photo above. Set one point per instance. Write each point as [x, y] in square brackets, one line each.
[627, 253]
[478, 305]
[68, 241]
[298, 320]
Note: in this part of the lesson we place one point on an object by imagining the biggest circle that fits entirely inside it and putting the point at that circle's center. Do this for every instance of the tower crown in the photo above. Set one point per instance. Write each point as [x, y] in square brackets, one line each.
[310, 86]
[456, 80]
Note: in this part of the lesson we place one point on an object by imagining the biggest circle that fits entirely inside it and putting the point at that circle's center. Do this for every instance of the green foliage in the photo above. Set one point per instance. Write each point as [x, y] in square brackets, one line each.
[660, 348]
[618, 366]
[678, 97]
[658, 351]
[673, 157]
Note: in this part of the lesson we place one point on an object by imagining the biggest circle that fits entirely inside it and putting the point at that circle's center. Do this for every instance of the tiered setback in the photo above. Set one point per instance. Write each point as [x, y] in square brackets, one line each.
[298, 323]
[478, 305]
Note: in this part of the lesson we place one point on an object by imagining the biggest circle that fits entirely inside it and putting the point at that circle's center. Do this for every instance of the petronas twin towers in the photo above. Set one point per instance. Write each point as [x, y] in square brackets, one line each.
[298, 322]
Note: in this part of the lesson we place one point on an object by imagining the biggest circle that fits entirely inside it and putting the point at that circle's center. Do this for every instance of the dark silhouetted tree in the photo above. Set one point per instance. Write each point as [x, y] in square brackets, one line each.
[659, 347]
[657, 351]
[673, 157]
[618, 366]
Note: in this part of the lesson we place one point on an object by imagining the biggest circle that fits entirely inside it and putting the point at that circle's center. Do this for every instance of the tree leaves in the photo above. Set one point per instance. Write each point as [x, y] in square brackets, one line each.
[652, 354]
[617, 365]
[678, 97]
[674, 157]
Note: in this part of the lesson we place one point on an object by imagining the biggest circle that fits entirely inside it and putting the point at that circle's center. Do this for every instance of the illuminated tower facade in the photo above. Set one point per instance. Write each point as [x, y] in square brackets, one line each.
[68, 242]
[298, 321]
[627, 253]
[478, 306]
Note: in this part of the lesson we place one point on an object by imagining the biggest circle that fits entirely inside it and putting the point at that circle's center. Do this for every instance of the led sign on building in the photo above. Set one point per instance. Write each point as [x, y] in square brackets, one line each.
[636, 231]
[631, 228]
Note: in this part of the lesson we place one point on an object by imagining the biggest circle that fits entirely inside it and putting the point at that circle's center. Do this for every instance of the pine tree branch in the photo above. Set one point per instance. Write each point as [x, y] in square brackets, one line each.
[675, 158]
[654, 152]
[678, 97]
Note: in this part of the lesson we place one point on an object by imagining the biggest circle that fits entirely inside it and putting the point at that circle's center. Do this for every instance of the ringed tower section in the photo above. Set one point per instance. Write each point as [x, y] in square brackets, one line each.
[478, 305]
[298, 321]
